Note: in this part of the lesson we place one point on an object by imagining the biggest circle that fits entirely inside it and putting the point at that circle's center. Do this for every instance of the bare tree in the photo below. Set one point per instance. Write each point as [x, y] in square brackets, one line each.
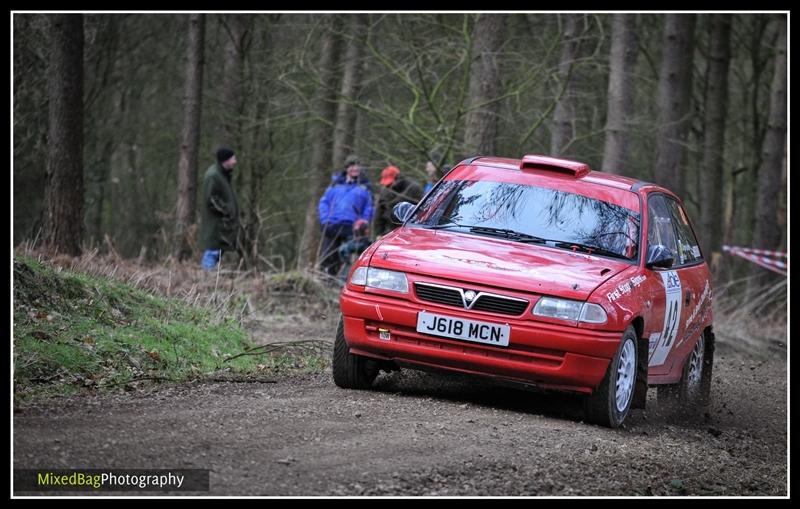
[564, 114]
[237, 29]
[674, 98]
[187, 167]
[63, 210]
[748, 82]
[768, 234]
[102, 81]
[260, 142]
[344, 133]
[320, 139]
[484, 85]
[715, 116]
[620, 92]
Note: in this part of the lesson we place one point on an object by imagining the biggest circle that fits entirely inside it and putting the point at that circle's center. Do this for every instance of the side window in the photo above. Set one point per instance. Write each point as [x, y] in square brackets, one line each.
[688, 249]
[659, 227]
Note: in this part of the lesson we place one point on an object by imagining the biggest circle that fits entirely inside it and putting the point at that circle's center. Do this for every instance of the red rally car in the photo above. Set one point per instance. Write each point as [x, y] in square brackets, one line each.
[539, 271]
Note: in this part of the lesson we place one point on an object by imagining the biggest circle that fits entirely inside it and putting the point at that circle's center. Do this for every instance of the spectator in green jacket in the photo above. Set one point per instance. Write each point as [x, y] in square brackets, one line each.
[219, 217]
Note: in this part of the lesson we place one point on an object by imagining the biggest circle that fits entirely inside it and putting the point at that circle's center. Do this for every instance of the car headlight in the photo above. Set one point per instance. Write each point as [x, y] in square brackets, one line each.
[380, 278]
[572, 310]
[359, 276]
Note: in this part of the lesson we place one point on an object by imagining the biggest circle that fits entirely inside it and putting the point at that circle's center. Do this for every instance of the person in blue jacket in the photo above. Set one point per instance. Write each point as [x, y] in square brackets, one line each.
[348, 199]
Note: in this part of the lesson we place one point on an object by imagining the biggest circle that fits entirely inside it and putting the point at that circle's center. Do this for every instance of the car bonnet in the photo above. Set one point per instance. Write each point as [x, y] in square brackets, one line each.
[466, 258]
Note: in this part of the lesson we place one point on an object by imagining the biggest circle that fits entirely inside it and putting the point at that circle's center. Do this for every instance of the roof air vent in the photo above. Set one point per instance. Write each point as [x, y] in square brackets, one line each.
[537, 162]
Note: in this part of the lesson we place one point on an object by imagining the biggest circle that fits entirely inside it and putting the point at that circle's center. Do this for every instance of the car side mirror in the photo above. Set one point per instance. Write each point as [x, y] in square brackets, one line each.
[402, 211]
[659, 255]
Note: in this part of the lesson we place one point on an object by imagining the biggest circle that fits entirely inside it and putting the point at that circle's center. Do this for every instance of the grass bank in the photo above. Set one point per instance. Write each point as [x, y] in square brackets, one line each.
[74, 331]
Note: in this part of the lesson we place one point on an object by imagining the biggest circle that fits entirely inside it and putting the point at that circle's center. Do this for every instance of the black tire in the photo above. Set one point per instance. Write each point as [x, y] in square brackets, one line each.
[351, 371]
[691, 396]
[608, 406]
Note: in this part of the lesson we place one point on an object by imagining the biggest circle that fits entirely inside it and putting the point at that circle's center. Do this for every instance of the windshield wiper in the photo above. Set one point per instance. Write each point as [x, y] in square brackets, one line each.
[509, 234]
[446, 225]
[591, 249]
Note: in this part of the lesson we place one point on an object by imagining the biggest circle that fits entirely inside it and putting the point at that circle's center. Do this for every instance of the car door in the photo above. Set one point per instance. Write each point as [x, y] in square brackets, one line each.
[667, 288]
[696, 291]
[679, 292]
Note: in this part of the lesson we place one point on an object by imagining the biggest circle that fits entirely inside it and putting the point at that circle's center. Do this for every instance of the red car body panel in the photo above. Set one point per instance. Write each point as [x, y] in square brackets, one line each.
[547, 352]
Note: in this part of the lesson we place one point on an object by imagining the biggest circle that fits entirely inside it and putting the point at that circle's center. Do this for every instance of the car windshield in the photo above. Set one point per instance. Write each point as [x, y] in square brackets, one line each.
[531, 214]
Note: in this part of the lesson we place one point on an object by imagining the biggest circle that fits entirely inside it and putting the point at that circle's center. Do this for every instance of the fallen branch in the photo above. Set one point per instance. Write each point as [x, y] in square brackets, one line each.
[314, 345]
[139, 379]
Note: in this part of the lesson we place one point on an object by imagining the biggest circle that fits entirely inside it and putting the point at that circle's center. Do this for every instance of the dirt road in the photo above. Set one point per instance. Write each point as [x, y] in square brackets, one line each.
[421, 434]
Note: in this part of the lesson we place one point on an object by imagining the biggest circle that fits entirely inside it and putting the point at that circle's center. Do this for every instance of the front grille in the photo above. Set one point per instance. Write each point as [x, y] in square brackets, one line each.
[502, 305]
[439, 295]
[451, 296]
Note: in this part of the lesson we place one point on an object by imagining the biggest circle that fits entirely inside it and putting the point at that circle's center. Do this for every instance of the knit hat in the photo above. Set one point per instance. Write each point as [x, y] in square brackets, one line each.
[389, 174]
[223, 154]
[350, 160]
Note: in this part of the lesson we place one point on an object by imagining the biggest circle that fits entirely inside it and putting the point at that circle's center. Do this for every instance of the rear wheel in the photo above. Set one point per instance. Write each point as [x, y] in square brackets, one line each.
[351, 371]
[610, 403]
[691, 394]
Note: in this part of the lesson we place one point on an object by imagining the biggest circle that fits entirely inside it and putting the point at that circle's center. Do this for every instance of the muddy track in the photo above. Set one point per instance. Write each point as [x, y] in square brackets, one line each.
[422, 434]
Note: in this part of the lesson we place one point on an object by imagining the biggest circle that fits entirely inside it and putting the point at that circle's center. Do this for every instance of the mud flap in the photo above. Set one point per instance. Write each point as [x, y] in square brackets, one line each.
[640, 389]
[708, 366]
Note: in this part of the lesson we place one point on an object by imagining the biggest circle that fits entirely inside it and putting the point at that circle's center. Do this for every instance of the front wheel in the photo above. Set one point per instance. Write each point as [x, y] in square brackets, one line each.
[351, 371]
[610, 403]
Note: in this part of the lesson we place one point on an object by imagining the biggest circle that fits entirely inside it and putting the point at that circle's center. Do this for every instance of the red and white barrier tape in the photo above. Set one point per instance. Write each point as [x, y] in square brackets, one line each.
[762, 252]
[761, 257]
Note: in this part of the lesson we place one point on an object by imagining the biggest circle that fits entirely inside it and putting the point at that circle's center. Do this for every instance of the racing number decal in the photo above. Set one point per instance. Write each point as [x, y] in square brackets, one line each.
[672, 314]
[671, 321]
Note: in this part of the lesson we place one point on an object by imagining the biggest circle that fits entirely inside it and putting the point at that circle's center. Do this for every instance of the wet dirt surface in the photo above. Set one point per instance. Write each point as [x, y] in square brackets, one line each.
[421, 434]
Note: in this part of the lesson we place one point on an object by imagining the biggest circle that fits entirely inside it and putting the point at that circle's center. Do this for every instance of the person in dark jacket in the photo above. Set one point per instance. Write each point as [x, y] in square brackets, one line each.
[347, 199]
[219, 217]
[394, 189]
[352, 249]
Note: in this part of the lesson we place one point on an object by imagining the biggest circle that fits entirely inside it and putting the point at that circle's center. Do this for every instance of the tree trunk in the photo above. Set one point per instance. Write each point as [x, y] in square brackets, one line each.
[564, 114]
[101, 119]
[97, 179]
[320, 139]
[711, 182]
[63, 211]
[768, 233]
[344, 134]
[622, 63]
[187, 167]
[674, 99]
[236, 29]
[257, 142]
[480, 135]
[260, 149]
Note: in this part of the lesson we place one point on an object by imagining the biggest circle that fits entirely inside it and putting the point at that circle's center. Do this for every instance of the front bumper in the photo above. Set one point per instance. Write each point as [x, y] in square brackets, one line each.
[547, 355]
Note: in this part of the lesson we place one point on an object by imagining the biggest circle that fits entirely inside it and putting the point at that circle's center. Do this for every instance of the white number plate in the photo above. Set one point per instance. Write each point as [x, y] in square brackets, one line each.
[459, 328]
